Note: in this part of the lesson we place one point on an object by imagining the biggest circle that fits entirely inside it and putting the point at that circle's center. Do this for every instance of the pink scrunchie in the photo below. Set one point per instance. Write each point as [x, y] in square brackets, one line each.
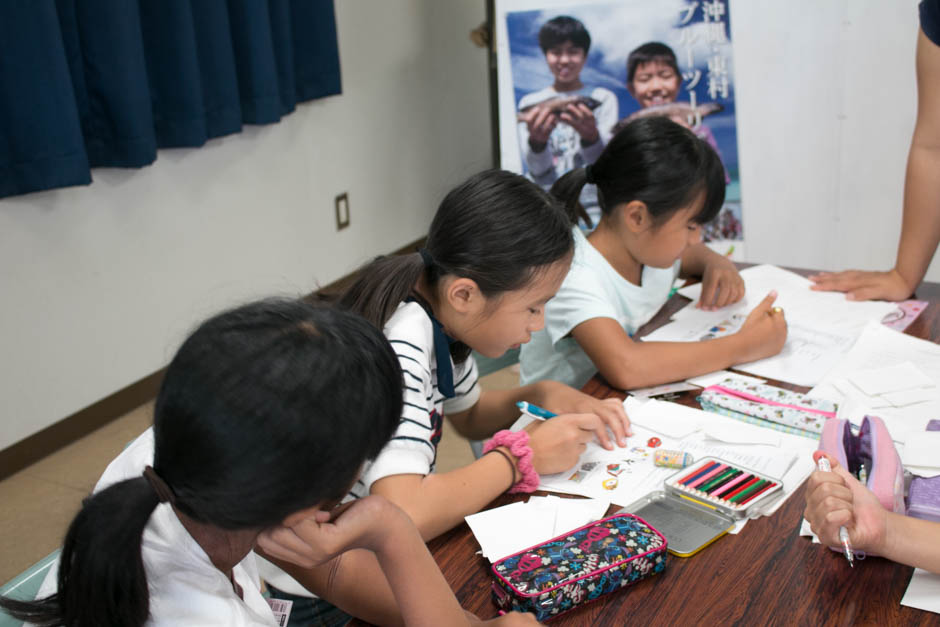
[518, 444]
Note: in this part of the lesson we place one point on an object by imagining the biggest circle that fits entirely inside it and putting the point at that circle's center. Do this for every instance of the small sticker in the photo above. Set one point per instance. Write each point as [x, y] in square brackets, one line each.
[281, 609]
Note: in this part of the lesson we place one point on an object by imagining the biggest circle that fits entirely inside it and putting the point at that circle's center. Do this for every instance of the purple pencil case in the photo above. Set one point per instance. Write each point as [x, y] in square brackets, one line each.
[924, 498]
[870, 455]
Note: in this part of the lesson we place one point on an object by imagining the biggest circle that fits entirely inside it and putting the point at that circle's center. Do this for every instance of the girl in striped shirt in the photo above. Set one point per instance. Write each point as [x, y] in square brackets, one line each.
[497, 251]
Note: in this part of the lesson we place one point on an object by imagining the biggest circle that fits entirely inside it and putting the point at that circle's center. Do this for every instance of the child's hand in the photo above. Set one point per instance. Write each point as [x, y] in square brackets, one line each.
[561, 399]
[541, 122]
[721, 284]
[558, 442]
[765, 331]
[835, 499]
[364, 523]
[860, 285]
[581, 119]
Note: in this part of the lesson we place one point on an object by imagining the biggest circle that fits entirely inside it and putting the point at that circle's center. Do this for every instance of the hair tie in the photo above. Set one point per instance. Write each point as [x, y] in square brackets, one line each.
[518, 444]
[160, 487]
[426, 257]
[589, 175]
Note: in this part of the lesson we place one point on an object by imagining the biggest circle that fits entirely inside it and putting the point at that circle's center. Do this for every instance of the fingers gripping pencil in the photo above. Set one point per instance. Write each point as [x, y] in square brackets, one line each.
[823, 465]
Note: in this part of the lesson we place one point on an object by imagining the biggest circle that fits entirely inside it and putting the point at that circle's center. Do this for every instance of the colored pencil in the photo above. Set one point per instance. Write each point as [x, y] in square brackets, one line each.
[769, 485]
[712, 473]
[756, 486]
[728, 478]
[726, 489]
[744, 486]
[695, 474]
[708, 485]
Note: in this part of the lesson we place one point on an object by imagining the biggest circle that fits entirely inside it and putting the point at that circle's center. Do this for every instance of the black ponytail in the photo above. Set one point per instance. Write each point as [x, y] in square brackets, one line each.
[567, 189]
[497, 228]
[382, 285]
[100, 559]
[265, 410]
[653, 160]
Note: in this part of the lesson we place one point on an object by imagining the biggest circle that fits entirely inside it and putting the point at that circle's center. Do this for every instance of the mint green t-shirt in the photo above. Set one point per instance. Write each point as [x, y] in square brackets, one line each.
[592, 289]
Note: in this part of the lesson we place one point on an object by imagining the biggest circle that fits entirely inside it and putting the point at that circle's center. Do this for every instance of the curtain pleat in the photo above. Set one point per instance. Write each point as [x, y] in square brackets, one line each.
[107, 83]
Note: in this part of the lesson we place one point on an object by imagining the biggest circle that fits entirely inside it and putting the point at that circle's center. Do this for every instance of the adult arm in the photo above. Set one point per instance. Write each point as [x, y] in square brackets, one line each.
[920, 226]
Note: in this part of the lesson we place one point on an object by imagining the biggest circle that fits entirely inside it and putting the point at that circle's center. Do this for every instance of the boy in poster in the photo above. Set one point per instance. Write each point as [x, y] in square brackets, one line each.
[567, 124]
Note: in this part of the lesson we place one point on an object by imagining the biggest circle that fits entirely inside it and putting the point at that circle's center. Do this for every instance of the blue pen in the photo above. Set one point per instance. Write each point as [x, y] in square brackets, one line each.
[534, 410]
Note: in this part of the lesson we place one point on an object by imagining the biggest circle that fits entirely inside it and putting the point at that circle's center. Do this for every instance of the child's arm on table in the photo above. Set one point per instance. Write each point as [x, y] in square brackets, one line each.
[391, 580]
[721, 282]
[438, 502]
[627, 364]
[836, 499]
[497, 409]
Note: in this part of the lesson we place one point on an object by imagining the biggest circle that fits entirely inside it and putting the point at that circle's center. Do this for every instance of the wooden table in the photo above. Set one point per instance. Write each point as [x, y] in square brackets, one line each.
[767, 574]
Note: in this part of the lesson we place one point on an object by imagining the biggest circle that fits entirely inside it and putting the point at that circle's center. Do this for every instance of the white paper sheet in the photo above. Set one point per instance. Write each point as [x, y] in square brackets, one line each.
[923, 451]
[626, 475]
[923, 592]
[895, 378]
[821, 325]
[879, 347]
[502, 531]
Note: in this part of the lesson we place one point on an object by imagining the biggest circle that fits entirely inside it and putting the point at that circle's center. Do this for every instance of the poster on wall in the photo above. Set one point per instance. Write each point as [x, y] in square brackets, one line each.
[570, 74]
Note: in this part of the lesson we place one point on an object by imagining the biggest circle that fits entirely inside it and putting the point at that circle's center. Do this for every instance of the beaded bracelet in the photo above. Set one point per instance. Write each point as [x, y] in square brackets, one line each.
[518, 444]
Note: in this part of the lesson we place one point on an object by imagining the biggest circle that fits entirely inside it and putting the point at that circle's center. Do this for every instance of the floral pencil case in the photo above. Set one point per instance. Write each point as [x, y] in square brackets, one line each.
[579, 566]
[768, 406]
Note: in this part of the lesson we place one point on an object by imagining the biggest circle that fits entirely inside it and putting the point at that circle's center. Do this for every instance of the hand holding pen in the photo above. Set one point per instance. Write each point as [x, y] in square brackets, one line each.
[823, 465]
[534, 410]
[563, 399]
[836, 499]
[557, 443]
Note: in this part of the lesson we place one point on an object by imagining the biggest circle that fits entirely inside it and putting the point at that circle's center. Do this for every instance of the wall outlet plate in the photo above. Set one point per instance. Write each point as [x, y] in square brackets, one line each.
[342, 211]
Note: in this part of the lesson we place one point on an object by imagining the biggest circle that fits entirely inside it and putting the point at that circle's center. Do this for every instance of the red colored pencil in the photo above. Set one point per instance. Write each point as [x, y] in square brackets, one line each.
[730, 485]
[764, 489]
[741, 488]
[708, 476]
[698, 473]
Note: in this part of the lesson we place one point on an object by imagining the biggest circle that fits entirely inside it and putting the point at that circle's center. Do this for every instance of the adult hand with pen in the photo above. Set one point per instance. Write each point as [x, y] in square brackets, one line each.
[562, 399]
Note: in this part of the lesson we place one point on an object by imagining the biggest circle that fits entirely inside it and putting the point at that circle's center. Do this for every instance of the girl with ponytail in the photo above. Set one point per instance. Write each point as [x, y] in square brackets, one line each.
[657, 185]
[496, 251]
[264, 418]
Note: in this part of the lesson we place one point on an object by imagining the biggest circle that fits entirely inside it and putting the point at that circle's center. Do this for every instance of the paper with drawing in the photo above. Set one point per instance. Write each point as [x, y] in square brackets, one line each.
[822, 326]
[624, 475]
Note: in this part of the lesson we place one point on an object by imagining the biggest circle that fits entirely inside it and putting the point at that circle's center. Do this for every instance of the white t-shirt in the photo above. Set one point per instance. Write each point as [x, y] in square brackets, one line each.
[592, 289]
[413, 448]
[185, 587]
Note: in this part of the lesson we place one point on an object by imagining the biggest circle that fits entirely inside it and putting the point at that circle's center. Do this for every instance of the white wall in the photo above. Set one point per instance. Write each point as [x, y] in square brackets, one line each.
[826, 99]
[100, 284]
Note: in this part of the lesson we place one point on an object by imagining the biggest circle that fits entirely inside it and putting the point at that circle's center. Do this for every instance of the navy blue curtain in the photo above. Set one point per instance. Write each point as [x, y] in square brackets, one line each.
[86, 83]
